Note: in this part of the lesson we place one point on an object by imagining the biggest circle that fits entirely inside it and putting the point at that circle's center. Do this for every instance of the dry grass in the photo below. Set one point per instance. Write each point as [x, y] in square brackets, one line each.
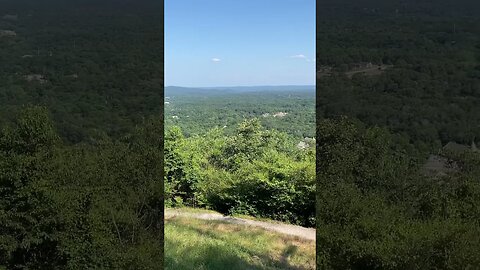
[199, 244]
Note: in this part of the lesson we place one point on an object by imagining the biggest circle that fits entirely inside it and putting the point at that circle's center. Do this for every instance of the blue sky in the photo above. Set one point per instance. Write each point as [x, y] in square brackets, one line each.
[239, 42]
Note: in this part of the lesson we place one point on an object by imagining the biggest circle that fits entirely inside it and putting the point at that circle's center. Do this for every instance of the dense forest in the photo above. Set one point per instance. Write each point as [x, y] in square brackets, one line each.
[430, 93]
[82, 206]
[97, 67]
[81, 125]
[398, 122]
[254, 171]
[289, 109]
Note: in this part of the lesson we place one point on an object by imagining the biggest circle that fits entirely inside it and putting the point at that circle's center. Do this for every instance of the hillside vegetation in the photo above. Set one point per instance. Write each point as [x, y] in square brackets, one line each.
[254, 171]
[79, 207]
[218, 245]
[81, 135]
[376, 206]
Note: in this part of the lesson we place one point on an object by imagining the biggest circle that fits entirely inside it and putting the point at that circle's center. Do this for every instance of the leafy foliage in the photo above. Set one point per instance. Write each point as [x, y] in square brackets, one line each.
[254, 171]
[81, 182]
[376, 210]
[80, 206]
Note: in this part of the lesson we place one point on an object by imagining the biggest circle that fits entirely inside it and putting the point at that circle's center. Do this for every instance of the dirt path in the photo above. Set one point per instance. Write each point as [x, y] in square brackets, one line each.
[301, 232]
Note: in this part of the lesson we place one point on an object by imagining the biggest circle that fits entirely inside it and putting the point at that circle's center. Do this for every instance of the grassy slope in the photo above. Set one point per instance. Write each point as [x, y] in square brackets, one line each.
[200, 244]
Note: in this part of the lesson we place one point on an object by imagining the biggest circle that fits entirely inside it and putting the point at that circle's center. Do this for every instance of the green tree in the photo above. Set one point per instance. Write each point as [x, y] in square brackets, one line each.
[29, 222]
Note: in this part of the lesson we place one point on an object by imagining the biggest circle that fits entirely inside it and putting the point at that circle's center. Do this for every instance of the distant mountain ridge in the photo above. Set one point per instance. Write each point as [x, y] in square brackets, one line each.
[178, 90]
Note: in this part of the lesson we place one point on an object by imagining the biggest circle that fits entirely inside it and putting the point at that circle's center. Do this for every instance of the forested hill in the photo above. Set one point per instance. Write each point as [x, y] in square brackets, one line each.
[419, 76]
[398, 102]
[97, 67]
[95, 198]
[178, 90]
[267, 88]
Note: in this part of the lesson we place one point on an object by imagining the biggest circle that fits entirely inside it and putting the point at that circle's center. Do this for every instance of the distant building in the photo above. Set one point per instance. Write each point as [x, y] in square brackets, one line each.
[439, 165]
[474, 146]
[456, 148]
[35, 77]
[7, 33]
[362, 65]
[302, 145]
[325, 69]
[10, 17]
[73, 76]
[277, 114]
[280, 114]
[306, 143]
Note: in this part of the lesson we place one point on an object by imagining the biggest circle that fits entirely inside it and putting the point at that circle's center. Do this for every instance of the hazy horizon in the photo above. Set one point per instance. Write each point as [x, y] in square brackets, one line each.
[226, 86]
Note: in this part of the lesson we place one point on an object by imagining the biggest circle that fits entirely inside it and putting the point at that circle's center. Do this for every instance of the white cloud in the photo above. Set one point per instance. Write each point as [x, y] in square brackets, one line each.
[301, 56]
[216, 60]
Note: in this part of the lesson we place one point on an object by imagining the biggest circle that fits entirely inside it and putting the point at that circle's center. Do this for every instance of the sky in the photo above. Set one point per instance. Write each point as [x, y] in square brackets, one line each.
[239, 42]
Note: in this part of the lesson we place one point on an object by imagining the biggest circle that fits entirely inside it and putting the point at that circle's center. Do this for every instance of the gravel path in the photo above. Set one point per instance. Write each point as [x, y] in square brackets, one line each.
[301, 232]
